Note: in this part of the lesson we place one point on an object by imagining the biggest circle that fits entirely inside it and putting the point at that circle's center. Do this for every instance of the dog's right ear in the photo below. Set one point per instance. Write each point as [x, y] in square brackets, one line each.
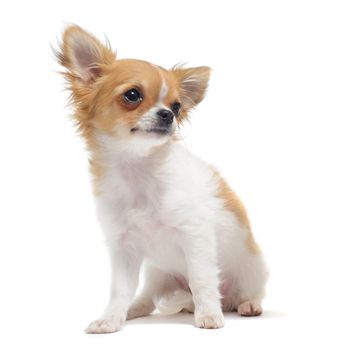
[83, 55]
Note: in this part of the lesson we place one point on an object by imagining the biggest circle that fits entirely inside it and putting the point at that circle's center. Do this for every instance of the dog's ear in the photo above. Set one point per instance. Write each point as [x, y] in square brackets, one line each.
[83, 55]
[193, 83]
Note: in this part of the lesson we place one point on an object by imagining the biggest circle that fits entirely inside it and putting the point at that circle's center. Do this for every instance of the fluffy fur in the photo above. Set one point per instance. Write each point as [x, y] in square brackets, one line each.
[157, 204]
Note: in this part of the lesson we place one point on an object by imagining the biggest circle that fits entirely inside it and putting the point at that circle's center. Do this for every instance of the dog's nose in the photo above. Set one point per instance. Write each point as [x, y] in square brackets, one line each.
[166, 116]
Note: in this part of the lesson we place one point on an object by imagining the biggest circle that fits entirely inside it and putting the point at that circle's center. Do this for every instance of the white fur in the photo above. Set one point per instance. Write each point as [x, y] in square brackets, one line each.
[158, 206]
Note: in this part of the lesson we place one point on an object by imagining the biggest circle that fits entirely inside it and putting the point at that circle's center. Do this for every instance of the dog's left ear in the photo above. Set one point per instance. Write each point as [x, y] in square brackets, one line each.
[83, 55]
[193, 83]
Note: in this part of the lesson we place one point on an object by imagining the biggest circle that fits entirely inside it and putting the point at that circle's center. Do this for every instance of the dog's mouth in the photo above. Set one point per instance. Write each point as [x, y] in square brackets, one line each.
[154, 130]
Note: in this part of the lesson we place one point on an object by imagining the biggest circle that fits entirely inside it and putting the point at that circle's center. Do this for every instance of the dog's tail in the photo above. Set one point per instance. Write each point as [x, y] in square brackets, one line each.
[172, 303]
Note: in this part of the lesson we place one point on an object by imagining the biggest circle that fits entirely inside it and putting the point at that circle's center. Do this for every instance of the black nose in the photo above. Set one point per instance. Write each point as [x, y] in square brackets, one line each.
[166, 116]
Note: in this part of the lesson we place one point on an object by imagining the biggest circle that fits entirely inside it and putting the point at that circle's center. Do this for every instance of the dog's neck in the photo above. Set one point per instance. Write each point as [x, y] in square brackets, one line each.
[131, 162]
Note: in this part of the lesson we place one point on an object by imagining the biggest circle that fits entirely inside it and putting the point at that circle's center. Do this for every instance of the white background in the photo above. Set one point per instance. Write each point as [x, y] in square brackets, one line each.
[275, 121]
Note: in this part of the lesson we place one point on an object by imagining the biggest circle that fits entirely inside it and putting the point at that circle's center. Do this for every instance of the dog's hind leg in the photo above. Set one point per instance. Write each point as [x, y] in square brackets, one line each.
[157, 283]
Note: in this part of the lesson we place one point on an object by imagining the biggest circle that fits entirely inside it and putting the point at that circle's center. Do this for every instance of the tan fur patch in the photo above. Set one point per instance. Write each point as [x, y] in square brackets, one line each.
[233, 203]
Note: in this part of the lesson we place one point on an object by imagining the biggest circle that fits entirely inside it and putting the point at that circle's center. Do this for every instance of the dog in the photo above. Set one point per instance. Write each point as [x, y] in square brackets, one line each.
[159, 206]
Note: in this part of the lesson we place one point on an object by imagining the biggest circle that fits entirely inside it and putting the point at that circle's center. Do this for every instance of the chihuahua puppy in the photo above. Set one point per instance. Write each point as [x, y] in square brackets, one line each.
[158, 205]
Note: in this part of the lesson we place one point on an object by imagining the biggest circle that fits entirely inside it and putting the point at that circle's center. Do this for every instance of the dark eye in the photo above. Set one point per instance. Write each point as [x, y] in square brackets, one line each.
[133, 96]
[176, 108]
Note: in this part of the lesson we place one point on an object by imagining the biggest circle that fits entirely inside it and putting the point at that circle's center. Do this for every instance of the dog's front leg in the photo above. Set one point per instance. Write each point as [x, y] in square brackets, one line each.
[125, 267]
[203, 273]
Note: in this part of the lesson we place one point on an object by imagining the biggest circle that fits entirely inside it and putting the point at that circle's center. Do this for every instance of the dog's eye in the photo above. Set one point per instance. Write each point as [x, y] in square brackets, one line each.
[176, 108]
[133, 96]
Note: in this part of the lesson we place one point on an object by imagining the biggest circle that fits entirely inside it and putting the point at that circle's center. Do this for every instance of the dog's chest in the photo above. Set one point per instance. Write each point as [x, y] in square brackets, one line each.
[134, 197]
[135, 192]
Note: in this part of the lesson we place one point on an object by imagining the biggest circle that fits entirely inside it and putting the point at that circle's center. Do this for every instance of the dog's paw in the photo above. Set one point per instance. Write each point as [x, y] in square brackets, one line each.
[209, 320]
[108, 324]
[249, 308]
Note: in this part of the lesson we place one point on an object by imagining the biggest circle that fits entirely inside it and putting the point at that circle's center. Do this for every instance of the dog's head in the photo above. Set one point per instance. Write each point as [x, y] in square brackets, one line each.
[130, 100]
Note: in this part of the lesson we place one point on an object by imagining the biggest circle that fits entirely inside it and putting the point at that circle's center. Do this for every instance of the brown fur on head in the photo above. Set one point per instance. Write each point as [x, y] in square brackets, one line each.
[98, 83]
